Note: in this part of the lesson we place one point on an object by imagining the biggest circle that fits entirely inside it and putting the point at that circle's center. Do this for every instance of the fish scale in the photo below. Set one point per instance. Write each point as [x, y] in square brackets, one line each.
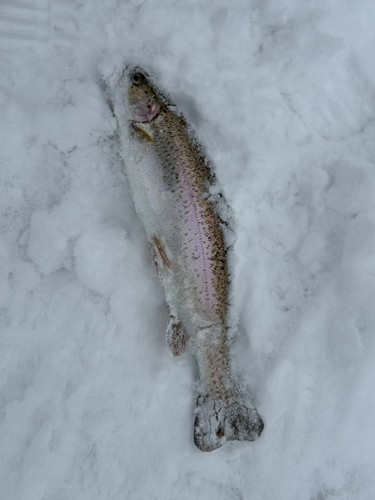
[171, 181]
[200, 232]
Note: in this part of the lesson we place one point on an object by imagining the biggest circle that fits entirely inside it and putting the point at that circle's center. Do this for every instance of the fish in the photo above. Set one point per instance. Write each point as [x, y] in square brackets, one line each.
[176, 196]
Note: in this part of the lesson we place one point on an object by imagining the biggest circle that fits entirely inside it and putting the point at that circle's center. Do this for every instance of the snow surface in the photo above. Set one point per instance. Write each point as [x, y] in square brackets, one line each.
[282, 95]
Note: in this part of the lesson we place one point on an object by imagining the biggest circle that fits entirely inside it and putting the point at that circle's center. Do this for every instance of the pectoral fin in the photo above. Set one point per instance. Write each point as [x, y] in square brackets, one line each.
[141, 134]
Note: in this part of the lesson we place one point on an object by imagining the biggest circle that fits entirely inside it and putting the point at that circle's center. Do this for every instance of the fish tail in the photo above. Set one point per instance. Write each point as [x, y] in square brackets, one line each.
[218, 421]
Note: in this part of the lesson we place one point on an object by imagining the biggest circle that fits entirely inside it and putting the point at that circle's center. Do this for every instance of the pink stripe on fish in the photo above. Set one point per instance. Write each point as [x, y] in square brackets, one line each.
[195, 241]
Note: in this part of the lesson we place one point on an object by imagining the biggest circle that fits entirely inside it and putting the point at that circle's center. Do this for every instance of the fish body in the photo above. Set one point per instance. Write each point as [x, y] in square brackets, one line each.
[172, 186]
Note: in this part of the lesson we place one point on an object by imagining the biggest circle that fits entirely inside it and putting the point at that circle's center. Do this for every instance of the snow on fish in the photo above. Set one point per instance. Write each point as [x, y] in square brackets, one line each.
[176, 197]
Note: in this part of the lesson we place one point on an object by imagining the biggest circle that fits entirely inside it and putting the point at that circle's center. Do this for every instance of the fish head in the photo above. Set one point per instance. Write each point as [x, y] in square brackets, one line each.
[144, 105]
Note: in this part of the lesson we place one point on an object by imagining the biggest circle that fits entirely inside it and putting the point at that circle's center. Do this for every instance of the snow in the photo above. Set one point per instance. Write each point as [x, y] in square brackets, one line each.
[282, 95]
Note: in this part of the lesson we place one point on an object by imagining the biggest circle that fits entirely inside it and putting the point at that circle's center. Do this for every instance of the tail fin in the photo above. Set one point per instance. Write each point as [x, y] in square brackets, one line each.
[218, 421]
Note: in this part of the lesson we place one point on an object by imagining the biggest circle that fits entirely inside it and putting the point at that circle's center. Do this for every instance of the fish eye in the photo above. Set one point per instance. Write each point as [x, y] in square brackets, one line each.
[137, 78]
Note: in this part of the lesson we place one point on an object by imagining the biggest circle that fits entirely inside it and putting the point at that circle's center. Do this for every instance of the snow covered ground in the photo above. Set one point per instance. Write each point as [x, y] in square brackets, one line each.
[282, 95]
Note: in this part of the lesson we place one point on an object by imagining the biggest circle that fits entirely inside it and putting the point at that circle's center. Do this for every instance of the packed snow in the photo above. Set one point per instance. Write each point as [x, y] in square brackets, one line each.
[282, 96]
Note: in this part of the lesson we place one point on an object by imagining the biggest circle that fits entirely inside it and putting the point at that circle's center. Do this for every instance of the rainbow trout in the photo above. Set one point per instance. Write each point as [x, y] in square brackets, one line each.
[173, 188]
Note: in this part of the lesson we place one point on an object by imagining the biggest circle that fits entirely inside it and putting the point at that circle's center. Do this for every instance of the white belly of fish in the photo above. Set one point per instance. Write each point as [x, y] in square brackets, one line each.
[156, 206]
